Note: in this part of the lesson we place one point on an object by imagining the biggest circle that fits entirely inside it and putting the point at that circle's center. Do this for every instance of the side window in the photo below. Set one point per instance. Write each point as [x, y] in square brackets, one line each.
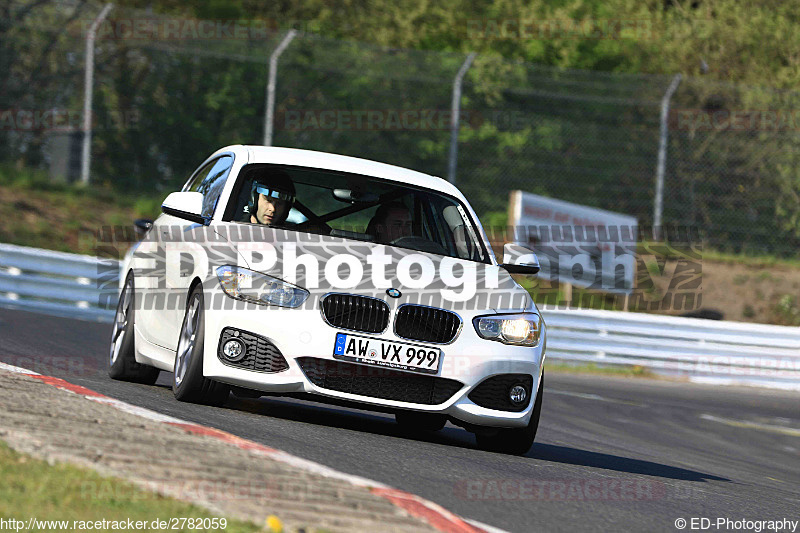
[210, 181]
[198, 178]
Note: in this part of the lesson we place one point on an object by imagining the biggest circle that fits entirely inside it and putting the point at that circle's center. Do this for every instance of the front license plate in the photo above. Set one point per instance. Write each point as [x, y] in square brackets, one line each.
[399, 355]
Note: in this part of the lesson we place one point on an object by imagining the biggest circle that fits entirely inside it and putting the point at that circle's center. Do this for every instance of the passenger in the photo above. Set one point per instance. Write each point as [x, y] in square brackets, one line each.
[391, 222]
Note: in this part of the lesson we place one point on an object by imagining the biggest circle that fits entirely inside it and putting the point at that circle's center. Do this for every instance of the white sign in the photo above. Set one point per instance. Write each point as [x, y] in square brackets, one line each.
[576, 244]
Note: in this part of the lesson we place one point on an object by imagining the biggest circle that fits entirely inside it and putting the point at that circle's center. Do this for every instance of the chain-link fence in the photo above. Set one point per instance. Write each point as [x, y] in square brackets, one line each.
[169, 91]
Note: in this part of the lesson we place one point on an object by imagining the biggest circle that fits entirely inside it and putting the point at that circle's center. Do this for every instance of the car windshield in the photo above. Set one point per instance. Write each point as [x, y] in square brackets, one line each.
[364, 208]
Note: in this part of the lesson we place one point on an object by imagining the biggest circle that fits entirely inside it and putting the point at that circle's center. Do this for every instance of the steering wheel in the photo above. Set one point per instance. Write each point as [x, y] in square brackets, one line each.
[419, 243]
[309, 224]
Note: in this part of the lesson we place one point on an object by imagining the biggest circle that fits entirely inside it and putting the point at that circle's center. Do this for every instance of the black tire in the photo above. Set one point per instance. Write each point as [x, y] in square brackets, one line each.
[514, 441]
[188, 382]
[412, 421]
[122, 363]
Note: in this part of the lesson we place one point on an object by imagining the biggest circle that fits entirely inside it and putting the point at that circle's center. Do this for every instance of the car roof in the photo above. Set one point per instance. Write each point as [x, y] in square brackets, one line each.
[342, 163]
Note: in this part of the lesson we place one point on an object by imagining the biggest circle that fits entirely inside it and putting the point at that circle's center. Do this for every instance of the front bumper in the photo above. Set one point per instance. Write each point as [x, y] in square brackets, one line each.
[301, 333]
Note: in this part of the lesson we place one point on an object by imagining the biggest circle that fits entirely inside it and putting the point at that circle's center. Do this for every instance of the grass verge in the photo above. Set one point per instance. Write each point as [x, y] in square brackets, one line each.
[592, 368]
[707, 253]
[33, 488]
[56, 216]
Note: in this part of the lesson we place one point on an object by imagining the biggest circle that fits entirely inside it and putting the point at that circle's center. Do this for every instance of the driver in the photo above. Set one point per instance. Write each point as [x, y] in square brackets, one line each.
[391, 221]
[271, 198]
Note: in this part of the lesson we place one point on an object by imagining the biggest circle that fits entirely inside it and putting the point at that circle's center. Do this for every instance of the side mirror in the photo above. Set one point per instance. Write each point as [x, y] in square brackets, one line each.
[141, 226]
[186, 205]
[518, 259]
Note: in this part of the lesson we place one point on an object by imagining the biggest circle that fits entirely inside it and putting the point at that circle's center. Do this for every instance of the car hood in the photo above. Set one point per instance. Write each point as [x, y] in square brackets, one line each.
[325, 264]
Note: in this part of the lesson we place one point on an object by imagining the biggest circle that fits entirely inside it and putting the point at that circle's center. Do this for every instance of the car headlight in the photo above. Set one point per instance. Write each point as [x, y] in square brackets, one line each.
[250, 286]
[521, 329]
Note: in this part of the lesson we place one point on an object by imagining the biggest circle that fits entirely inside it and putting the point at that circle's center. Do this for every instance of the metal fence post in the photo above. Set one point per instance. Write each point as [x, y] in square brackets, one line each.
[269, 113]
[88, 81]
[658, 202]
[455, 111]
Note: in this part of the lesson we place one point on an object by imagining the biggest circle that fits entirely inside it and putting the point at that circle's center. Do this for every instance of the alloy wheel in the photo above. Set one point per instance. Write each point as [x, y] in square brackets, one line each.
[187, 340]
[120, 322]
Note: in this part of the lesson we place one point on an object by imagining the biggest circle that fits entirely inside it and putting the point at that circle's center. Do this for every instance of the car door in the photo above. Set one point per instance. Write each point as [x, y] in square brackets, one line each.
[162, 323]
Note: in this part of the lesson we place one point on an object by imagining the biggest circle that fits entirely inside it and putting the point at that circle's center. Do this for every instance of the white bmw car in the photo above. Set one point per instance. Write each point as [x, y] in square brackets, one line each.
[278, 271]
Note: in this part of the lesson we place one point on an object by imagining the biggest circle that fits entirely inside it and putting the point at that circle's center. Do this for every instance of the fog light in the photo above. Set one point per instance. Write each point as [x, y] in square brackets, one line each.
[233, 350]
[517, 394]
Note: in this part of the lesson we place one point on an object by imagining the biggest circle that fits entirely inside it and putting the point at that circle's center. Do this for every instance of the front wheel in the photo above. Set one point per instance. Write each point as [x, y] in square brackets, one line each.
[188, 382]
[122, 363]
[514, 441]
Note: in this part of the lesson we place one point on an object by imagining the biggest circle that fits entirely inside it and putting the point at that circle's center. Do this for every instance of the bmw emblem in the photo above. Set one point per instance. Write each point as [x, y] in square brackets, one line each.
[394, 293]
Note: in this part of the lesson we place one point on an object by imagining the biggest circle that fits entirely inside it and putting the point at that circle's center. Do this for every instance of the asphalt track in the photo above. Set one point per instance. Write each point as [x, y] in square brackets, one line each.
[611, 454]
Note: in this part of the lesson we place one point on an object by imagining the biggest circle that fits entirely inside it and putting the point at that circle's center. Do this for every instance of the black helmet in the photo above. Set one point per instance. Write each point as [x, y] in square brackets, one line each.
[273, 184]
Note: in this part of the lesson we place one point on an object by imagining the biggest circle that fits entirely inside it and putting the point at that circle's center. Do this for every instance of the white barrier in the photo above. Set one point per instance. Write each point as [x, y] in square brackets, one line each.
[705, 350]
[58, 283]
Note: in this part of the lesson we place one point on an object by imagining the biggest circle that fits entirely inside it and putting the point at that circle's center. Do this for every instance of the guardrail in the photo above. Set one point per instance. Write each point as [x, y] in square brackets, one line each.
[58, 283]
[85, 287]
[704, 350]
